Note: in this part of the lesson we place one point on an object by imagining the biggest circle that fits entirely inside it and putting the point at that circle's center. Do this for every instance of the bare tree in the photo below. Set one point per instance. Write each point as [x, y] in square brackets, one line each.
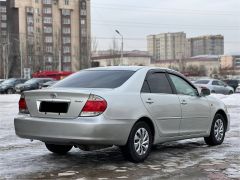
[115, 52]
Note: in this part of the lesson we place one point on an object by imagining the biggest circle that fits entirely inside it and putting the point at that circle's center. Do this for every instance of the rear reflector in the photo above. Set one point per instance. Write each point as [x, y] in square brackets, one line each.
[23, 106]
[94, 106]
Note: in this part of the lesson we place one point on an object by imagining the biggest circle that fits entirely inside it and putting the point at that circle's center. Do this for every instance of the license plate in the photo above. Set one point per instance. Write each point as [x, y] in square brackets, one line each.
[54, 107]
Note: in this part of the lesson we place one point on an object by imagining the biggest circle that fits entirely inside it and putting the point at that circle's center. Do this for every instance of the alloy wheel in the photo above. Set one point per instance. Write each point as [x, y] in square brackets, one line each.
[141, 141]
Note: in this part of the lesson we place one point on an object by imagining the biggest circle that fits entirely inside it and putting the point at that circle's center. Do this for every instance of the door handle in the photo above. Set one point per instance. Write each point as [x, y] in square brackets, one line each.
[149, 101]
[184, 102]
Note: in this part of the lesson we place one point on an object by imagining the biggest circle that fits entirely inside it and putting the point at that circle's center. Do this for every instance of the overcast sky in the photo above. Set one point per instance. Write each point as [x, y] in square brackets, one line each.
[136, 19]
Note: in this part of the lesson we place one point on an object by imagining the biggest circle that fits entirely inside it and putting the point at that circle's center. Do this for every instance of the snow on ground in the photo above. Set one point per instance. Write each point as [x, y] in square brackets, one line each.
[188, 159]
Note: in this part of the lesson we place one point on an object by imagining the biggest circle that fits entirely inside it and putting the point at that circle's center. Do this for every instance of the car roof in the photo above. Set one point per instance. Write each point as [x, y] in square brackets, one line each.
[131, 68]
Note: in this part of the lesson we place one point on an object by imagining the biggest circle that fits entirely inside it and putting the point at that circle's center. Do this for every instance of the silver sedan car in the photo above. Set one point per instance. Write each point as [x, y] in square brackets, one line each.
[215, 86]
[130, 107]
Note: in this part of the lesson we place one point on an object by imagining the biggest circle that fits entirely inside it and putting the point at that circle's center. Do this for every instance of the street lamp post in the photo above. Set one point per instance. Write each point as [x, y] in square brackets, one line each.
[121, 45]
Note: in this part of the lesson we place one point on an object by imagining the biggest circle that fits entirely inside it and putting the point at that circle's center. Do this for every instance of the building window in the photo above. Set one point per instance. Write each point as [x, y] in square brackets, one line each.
[47, 10]
[47, 29]
[47, 1]
[4, 17]
[37, 11]
[66, 21]
[66, 49]
[30, 20]
[66, 40]
[30, 10]
[83, 5]
[48, 39]
[3, 9]
[83, 13]
[30, 29]
[49, 49]
[47, 20]
[66, 2]
[83, 22]
[66, 59]
[48, 59]
[66, 30]
[84, 32]
[66, 12]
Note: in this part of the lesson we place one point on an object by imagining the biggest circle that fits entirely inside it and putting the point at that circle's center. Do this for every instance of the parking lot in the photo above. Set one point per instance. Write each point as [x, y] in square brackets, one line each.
[186, 159]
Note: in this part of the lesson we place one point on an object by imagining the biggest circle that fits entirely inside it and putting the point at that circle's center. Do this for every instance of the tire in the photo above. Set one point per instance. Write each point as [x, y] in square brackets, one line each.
[230, 92]
[142, 135]
[58, 149]
[218, 131]
[10, 91]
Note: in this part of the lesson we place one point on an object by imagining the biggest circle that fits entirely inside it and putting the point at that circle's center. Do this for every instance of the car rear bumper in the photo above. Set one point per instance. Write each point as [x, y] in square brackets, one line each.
[87, 130]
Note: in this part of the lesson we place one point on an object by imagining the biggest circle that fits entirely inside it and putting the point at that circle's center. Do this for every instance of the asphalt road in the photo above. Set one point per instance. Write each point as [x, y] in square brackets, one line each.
[190, 159]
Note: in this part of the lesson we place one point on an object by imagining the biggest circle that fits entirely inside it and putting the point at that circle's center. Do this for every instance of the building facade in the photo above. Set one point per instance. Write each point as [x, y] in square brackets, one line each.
[206, 45]
[127, 60]
[230, 64]
[3, 38]
[167, 46]
[209, 64]
[49, 34]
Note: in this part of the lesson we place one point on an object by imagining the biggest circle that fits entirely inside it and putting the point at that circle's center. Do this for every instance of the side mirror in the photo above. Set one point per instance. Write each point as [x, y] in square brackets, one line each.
[205, 92]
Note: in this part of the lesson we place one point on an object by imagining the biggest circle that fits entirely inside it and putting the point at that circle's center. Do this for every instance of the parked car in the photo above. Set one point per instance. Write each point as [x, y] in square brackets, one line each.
[1, 81]
[48, 84]
[130, 107]
[215, 86]
[232, 82]
[32, 84]
[238, 89]
[8, 86]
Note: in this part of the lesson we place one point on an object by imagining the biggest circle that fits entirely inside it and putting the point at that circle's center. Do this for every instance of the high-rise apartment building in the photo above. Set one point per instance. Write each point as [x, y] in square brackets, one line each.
[49, 34]
[167, 46]
[206, 45]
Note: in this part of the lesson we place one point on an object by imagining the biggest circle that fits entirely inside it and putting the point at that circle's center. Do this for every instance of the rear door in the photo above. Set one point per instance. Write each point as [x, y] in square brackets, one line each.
[162, 103]
[195, 109]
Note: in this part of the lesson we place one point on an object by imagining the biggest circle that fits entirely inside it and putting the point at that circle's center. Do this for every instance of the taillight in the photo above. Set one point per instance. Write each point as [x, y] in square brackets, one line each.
[94, 106]
[23, 105]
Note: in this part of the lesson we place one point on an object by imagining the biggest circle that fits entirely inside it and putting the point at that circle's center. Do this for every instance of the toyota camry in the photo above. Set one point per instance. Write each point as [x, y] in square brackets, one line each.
[130, 107]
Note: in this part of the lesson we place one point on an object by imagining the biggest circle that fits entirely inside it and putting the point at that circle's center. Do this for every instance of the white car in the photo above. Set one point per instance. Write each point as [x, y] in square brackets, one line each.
[238, 89]
[131, 107]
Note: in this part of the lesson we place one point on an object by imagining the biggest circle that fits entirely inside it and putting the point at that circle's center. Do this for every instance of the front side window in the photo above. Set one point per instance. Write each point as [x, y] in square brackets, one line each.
[182, 86]
[157, 83]
[215, 83]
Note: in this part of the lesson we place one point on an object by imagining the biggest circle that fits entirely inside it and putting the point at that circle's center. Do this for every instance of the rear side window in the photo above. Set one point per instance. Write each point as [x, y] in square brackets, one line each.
[158, 83]
[96, 79]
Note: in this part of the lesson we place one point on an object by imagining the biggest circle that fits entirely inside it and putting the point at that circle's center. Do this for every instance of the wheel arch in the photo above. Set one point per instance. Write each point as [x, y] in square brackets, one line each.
[150, 123]
[222, 112]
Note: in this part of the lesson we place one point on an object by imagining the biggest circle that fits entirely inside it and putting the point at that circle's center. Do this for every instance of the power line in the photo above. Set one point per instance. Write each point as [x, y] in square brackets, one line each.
[160, 26]
[164, 10]
[143, 24]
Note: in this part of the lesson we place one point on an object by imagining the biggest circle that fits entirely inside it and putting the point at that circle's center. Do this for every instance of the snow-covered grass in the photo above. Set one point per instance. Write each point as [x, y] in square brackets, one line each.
[9, 98]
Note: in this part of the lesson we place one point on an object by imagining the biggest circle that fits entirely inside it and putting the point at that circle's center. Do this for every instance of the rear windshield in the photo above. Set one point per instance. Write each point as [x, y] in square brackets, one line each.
[202, 82]
[96, 79]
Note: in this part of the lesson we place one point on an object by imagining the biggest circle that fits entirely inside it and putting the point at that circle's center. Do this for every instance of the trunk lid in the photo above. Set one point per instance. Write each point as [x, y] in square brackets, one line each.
[56, 103]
